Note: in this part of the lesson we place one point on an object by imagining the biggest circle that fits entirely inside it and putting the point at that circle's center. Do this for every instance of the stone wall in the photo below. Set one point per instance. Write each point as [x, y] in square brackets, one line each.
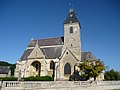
[60, 85]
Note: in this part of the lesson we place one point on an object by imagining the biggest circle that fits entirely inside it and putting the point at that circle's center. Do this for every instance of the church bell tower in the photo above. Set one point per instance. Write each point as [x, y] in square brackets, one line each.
[72, 34]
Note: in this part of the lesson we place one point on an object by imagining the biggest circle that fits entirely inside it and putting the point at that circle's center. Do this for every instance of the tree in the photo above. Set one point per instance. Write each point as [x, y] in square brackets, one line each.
[12, 67]
[112, 75]
[3, 63]
[91, 69]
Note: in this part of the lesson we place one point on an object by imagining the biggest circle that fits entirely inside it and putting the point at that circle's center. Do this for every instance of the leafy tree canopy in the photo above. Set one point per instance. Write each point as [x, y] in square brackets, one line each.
[91, 69]
[112, 75]
[3, 63]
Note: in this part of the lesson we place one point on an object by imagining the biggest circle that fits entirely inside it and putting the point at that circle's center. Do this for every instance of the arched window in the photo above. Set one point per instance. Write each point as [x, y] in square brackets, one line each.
[52, 65]
[71, 29]
[67, 68]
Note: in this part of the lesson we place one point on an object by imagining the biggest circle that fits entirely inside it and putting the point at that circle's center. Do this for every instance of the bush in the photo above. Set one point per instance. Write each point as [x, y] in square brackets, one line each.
[112, 75]
[8, 78]
[91, 69]
[31, 78]
[75, 76]
[38, 78]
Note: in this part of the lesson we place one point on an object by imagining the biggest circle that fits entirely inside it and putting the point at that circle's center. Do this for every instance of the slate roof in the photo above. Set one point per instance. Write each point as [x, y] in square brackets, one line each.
[71, 17]
[87, 56]
[52, 52]
[26, 54]
[47, 42]
[49, 52]
[4, 69]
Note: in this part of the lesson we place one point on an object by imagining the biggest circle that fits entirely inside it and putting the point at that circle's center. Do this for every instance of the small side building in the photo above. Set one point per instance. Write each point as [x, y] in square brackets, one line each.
[5, 71]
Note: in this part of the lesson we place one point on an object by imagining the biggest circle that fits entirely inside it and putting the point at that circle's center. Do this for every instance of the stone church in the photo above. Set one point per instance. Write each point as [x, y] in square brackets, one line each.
[56, 57]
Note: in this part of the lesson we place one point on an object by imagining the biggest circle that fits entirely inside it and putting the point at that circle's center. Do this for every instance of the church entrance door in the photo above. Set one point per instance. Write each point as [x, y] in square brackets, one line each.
[37, 67]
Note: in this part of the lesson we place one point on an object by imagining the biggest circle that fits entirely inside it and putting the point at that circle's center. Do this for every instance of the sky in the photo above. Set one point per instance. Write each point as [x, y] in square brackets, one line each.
[22, 20]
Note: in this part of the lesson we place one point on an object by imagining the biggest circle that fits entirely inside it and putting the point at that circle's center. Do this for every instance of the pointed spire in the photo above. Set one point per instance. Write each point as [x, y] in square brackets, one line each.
[71, 17]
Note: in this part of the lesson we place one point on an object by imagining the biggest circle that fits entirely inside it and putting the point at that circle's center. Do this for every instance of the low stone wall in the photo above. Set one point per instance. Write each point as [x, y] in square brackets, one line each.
[60, 85]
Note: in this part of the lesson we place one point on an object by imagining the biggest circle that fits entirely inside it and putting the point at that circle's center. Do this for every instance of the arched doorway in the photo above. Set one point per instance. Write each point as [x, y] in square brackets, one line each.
[37, 67]
[67, 69]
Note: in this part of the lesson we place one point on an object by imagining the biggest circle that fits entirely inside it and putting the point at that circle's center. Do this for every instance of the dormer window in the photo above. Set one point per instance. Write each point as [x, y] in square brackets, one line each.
[70, 21]
[71, 15]
[71, 29]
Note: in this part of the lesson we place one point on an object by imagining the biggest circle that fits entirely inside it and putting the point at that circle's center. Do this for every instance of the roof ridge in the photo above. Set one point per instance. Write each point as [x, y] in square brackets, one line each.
[48, 38]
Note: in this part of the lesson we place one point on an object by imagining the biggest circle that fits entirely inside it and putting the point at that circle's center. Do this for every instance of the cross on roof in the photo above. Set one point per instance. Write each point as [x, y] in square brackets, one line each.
[71, 4]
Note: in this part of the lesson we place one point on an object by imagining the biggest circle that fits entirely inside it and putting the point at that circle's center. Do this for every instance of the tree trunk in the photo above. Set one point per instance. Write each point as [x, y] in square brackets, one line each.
[95, 78]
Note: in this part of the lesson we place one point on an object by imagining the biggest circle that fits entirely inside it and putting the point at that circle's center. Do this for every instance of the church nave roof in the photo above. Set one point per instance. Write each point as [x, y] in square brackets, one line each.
[47, 42]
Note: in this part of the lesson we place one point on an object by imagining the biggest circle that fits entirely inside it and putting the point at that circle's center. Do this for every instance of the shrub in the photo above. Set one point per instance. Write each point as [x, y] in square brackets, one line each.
[75, 76]
[91, 69]
[38, 78]
[112, 75]
[8, 78]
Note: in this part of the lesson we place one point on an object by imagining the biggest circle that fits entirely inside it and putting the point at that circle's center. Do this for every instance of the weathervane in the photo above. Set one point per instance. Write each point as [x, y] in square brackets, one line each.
[71, 4]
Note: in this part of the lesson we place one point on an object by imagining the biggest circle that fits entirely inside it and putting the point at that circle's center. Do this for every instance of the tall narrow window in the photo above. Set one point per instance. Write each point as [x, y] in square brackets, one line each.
[52, 65]
[67, 68]
[71, 29]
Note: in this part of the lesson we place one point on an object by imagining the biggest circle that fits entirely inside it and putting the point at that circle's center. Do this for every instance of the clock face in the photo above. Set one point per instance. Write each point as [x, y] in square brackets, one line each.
[75, 29]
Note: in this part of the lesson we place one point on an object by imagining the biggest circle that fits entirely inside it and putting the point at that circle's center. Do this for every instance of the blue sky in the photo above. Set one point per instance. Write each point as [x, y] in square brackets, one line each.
[21, 20]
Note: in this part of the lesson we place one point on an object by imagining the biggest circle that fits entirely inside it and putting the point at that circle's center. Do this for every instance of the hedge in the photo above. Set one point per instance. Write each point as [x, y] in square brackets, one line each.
[38, 78]
[8, 78]
[31, 78]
